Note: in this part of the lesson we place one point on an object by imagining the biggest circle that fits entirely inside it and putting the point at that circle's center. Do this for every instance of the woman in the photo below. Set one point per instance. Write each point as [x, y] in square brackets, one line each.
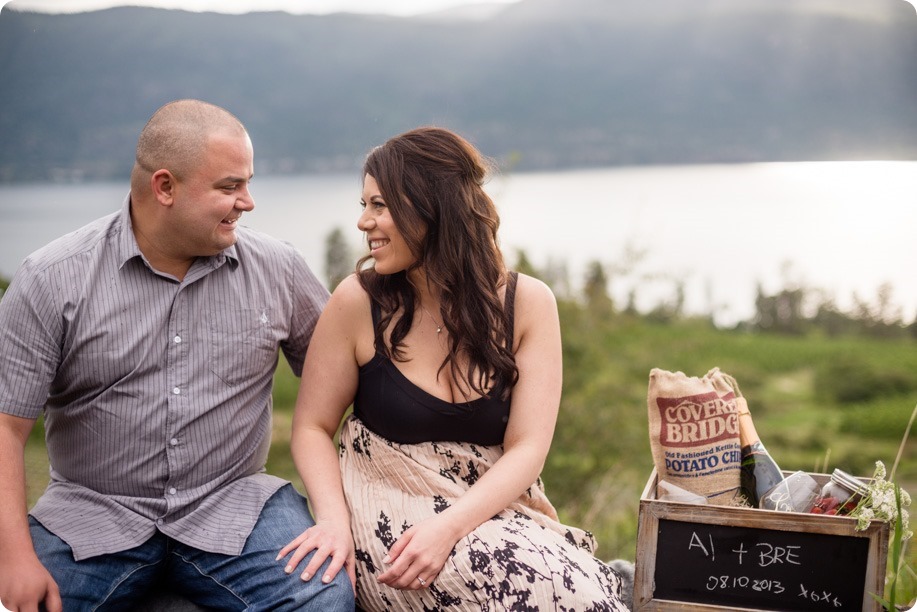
[453, 366]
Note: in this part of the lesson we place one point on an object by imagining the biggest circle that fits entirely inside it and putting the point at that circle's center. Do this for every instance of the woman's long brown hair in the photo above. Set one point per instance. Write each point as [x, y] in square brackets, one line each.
[432, 182]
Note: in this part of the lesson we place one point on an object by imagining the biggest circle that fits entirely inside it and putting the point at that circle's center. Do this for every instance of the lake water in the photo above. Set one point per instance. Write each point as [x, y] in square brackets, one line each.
[843, 227]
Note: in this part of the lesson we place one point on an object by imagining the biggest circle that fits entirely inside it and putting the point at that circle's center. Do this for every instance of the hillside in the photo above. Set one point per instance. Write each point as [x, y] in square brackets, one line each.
[542, 84]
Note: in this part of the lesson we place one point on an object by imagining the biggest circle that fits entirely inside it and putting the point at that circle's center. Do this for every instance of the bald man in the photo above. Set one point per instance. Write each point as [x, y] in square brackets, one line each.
[148, 339]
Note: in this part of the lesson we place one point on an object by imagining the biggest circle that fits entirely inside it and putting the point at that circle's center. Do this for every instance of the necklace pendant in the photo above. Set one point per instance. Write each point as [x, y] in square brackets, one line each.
[439, 328]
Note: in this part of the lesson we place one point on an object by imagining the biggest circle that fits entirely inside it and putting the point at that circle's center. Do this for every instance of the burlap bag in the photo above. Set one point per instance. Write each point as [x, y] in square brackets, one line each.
[694, 433]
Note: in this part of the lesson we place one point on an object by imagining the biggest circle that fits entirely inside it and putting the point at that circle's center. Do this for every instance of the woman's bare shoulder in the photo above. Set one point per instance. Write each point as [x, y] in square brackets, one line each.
[535, 304]
[349, 297]
[530, 290]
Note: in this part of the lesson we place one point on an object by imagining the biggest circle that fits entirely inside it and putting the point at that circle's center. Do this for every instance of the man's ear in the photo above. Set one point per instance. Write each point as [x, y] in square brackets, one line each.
[163, 182]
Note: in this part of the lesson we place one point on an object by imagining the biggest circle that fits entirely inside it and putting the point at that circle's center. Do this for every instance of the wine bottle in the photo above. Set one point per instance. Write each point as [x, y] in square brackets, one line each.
[759, 470]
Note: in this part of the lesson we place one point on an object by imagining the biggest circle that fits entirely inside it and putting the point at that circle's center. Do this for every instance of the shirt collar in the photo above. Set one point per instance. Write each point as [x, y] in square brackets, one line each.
[230, 254]
[127, 242]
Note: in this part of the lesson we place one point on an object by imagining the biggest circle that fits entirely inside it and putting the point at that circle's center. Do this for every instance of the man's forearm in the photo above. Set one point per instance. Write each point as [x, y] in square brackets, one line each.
[14, 526]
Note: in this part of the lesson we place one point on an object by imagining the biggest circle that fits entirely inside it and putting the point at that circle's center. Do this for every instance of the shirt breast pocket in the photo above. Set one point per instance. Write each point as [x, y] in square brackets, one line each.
[242, 344]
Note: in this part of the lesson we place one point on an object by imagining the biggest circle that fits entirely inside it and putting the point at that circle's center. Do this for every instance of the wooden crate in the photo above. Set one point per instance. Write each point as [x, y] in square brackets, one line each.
[704, 557]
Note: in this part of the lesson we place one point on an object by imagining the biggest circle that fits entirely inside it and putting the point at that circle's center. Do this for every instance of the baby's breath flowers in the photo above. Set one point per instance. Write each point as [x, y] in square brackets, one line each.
[878, 504]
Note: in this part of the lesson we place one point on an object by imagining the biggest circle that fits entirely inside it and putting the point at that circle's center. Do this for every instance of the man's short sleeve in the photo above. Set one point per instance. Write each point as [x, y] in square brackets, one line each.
[309, 298]
[29, 343]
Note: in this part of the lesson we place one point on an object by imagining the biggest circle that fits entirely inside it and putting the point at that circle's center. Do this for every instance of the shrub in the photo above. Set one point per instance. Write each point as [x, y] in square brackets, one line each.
[851, 379]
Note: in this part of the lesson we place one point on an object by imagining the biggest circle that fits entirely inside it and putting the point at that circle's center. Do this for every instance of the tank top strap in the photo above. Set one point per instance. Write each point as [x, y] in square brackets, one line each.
[509, 307]
[376, 311]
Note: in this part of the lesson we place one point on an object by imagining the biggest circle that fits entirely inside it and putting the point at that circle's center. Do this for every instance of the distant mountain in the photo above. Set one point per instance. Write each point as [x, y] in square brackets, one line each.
[477, 11]
[540, 84]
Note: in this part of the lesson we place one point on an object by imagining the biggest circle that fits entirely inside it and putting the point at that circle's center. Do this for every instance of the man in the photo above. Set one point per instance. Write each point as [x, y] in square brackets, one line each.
[149, 340]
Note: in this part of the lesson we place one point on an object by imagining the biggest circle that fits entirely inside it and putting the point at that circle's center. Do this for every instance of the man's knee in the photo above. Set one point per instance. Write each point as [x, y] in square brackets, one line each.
[337, 595]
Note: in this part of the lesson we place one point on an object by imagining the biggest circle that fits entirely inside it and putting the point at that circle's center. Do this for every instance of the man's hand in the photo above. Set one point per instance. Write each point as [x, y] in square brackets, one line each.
[25, 583]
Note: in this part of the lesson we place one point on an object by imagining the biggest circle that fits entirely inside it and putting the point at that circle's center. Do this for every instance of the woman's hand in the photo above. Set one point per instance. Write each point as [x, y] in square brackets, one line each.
[327, 539]
[419, 554]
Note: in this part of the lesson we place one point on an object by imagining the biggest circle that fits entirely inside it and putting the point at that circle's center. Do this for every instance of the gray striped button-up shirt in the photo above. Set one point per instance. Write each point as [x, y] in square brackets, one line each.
[156, 393]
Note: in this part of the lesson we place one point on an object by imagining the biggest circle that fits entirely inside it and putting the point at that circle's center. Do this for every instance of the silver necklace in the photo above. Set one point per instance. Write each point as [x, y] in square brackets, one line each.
[439, 328]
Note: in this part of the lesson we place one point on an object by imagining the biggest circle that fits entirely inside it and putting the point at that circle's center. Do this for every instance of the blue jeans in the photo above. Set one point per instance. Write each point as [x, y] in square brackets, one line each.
[253, 580]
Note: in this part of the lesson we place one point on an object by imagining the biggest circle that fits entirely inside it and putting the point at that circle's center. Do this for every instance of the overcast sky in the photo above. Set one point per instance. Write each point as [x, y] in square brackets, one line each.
[396, 7]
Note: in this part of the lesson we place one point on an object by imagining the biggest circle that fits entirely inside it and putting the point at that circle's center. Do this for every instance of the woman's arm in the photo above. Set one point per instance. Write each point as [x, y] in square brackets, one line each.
[422, 550]
[329, 383]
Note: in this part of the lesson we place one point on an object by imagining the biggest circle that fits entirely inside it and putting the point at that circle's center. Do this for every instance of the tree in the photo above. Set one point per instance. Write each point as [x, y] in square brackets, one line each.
[557, 276]
[595, 290]
[781, 312]
[338, 258]
[524, 264]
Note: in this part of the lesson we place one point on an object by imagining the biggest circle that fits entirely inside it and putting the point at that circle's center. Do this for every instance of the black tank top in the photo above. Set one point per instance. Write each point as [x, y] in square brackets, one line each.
[393, 407]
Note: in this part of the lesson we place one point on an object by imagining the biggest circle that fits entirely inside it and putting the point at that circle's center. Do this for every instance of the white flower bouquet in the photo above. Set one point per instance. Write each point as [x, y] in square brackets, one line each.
[884, 501]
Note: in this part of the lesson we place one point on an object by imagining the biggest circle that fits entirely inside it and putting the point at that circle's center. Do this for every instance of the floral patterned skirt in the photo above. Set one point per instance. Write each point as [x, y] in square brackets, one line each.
[521, 559]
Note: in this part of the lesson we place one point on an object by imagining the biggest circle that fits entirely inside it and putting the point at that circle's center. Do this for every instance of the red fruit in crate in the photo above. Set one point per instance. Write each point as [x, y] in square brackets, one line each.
[817, 510]
[829, 504]
[831, 511]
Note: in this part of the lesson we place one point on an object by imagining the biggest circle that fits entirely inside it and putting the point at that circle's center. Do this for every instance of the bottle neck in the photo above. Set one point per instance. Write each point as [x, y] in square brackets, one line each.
[748, 435]
[755, 448]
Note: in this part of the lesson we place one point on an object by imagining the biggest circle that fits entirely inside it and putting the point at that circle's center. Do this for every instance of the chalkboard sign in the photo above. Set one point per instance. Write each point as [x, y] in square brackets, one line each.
[700, 558]
[764, 569]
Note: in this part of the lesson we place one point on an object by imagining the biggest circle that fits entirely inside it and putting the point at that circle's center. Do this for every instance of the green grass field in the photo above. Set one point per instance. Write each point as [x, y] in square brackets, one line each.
[818, 404]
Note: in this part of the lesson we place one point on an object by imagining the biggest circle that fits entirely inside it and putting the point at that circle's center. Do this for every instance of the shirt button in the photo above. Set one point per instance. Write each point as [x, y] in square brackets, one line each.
[176, 391]
[159, 521]
[172, 491]
[173, 442]
[177, 339]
